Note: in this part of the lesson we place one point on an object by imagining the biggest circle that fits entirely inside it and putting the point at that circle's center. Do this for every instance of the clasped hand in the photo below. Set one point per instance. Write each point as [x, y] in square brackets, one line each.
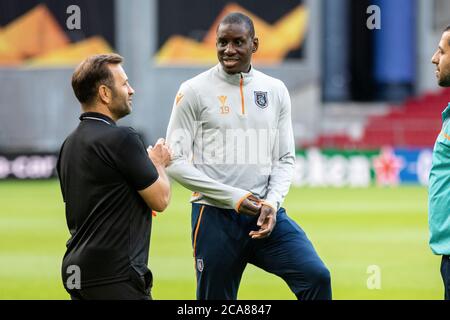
[161, 153]
[252, 206]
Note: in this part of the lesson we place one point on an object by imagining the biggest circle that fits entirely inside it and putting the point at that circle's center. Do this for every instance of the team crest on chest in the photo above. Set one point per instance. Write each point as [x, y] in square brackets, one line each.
[261, 99]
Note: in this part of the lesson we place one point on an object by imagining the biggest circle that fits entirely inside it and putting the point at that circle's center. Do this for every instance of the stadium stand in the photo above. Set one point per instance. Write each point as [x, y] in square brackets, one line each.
[414, 124]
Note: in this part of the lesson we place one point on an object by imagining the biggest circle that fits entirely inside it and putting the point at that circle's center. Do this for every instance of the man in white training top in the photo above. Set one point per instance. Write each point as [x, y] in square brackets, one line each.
[233, 144]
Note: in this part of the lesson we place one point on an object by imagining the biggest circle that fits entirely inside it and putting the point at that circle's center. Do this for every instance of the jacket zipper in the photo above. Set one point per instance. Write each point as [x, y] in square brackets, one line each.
[241, 88]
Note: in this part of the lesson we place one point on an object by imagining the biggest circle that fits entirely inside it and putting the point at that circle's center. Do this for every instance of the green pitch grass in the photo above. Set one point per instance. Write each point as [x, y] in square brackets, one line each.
[351, 229]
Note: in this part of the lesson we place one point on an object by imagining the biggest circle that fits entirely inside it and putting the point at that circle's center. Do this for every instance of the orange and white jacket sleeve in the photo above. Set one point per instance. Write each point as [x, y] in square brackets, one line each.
[283, 157]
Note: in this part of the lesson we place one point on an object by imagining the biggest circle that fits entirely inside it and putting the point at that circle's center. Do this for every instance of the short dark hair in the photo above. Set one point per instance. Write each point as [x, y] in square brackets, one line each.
[91, 73]
[445, 30]
[239, 18]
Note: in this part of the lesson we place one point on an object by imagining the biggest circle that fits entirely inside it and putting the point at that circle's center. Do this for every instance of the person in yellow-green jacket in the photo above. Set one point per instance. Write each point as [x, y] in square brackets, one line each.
[439, 185]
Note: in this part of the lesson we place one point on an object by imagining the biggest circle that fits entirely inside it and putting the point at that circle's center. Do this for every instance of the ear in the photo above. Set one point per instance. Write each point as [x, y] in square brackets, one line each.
[104, 94]
[255, 44]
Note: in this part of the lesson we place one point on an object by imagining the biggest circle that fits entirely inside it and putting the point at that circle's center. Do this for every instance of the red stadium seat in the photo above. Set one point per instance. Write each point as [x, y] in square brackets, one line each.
[414, 123]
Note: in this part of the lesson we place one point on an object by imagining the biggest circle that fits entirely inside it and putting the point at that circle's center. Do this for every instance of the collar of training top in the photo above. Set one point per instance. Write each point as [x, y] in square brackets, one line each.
[446, 113]
[234, 78]
[95, 116]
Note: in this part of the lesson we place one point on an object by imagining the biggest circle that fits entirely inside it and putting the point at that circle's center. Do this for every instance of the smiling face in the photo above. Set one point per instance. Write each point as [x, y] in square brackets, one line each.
[235, 47]
[441, 59]
[122, 93]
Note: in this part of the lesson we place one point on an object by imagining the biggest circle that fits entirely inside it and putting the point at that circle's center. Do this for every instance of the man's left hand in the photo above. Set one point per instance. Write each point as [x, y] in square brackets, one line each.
[266, 222]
